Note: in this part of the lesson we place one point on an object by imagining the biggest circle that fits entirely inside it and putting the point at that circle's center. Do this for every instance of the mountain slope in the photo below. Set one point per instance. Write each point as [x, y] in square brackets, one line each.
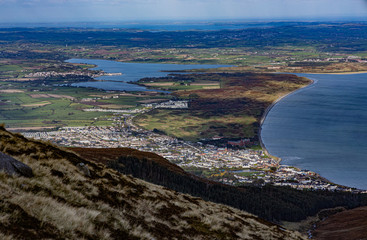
[63, 200]
[275, 204]
[350, 224]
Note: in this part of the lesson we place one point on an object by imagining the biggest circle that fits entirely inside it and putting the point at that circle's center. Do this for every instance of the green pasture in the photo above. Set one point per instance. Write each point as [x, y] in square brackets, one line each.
[7, 68]
[22, 110]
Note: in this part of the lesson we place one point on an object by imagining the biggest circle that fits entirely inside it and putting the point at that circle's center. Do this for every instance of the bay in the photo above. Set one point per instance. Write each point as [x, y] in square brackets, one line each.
[323, 128]
[131, 72]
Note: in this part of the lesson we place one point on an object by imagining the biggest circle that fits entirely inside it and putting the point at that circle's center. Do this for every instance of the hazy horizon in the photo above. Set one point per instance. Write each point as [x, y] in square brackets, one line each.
[72, 11]
[168, 25]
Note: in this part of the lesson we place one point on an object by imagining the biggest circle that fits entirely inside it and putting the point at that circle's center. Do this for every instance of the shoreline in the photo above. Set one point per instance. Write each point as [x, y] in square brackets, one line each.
[339, 73]
[266, 112]
[331, 73]
[279, 160]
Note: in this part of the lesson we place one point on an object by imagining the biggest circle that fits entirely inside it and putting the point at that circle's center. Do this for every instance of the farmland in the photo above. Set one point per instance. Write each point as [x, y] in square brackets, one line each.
[232, 111]
[32, 62]
[26, 107]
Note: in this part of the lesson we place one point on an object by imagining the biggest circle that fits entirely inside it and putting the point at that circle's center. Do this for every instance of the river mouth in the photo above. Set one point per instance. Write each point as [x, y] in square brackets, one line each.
[323, 128]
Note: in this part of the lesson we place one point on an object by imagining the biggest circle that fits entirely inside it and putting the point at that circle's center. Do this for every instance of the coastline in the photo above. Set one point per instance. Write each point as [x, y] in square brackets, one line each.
[266, 112]
[340, 73]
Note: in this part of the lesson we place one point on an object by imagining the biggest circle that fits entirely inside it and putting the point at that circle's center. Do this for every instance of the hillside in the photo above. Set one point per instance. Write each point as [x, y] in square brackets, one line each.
[66, 200]
[350, 224]
[274, 204]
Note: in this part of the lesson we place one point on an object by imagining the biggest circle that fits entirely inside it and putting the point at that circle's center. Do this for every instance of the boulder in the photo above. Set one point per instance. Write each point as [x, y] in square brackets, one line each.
[14, 167]
[84, 169]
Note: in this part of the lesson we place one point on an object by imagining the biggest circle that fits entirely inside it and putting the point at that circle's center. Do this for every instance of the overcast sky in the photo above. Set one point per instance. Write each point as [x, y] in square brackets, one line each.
[128, 10]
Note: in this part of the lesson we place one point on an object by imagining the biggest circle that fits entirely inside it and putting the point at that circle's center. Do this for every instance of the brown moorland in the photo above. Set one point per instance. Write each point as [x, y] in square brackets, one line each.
[350, 224]
[233, 111]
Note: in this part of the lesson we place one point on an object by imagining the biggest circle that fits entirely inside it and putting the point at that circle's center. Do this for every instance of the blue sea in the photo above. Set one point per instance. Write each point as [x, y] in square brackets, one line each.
[323, 128]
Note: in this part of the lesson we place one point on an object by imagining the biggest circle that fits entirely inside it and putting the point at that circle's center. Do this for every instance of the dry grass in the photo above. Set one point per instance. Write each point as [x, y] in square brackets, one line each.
[40, 104]
[186, 125]
[160, 84]
[11, 91]
[51, 96]
[60, 202]
[6, 237]
[66, 218]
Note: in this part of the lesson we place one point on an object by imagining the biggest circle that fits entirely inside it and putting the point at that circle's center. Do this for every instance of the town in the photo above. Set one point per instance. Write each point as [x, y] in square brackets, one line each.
[230, 166]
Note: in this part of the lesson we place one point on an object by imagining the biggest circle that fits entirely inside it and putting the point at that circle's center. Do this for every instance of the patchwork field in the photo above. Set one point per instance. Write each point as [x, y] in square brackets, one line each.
[42, 107]
[232, 111]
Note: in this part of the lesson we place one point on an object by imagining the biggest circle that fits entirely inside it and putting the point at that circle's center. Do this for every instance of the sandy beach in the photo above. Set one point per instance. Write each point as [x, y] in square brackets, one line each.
[267, 110]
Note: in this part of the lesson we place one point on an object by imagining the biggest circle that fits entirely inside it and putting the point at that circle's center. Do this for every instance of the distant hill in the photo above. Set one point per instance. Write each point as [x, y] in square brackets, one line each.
[70, 197]
[275, 204]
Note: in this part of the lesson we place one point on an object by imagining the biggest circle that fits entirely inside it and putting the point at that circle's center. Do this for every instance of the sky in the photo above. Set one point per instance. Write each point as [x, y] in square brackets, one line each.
[20, 11]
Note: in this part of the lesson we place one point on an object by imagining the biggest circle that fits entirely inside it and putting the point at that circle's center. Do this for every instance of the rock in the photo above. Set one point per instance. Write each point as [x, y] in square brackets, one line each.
[84, 169]
[14, 167]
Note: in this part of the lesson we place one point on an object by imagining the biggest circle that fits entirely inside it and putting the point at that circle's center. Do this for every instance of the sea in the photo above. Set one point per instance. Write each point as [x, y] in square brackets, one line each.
[323, 128]
[131, 72]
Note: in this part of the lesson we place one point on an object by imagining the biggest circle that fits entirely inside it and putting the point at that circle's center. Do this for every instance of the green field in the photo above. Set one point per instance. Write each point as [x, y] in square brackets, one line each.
[38, 107]
[299, 48]
[60, 112]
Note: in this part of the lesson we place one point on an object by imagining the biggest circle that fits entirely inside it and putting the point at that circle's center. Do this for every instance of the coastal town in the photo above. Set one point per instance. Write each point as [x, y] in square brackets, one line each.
[238, 166]
[90, 73]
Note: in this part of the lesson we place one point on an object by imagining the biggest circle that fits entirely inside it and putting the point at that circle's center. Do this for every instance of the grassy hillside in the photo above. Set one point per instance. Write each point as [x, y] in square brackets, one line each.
[62, 201]
[350, 224]
[275, 204]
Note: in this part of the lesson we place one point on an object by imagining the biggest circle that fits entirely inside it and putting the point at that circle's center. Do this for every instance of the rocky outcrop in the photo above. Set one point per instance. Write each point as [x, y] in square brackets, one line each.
[84, 169]
[14, 167]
